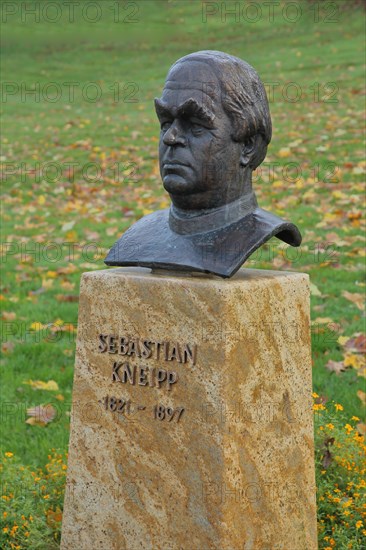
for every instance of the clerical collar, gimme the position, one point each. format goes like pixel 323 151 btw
pixel 190 223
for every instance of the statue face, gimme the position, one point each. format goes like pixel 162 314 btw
pixel 199 160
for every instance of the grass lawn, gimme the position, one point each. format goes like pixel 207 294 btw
pixel 79 156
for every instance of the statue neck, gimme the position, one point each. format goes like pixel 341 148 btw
pixel 188 222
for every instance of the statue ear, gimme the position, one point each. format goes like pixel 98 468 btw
pixel 247 151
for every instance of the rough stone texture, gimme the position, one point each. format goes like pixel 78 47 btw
pixel 237 470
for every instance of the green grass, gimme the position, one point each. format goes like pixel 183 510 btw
pixel 107 131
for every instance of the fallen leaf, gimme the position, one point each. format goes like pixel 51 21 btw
pixel 314 291
pixel 354 361
pixel 361 428
pixel 7 347
pixel 284 152
pixel 357 345
pixel 335 366
pixel 37 326
pixel 67 226
pixel 322 321
pixel 8 315
pixel 354 297
pixel 47 283
pixel 342 340
pixel 362 395
pixel 67 298
pixel 66 285
pixel 51 385
pixel 41 415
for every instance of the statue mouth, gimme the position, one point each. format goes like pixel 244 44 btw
pixel 171 164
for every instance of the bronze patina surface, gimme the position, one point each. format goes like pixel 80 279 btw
pixel 215 129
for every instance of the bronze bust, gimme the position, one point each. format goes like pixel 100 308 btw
pixel 215 129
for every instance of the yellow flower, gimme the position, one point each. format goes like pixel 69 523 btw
pixel 318 407
pixel 14 529
pixel 348 428
pixel 355 418
pixel 5 529
pixel 9 455
pixel 359 524
pixel 338 407
pixel 347 504
pixel 5 514
pixel 315 395
pixel 46 497
pixel 330 426
pixel 26 534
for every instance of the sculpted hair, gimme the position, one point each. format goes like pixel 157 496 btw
pixel 243 97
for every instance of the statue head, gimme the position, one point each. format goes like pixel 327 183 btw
pixel 215 129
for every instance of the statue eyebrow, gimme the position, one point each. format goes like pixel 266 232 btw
pixel 190 107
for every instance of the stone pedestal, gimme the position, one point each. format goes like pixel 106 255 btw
pixel 192 422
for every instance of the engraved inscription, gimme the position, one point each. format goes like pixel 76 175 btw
pixel 145 348
pixel 143 376
pixel 167 413
pixel 125 407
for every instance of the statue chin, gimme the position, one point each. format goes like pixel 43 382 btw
pixel 176 184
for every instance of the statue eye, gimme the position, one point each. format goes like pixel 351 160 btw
pixel 197 128
pixel 165 125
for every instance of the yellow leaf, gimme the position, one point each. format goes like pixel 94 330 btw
pixel 355 361
pixel 284 152
pixel 41 199
pixel 33 421
pixel 37 326
pixel 71 236
pixel 51 385
pixel 342 340
pixel 47 283
pixel 322 320
pixel 60 397
pixel 277 184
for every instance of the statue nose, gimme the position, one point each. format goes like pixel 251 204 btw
pixel 174 135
